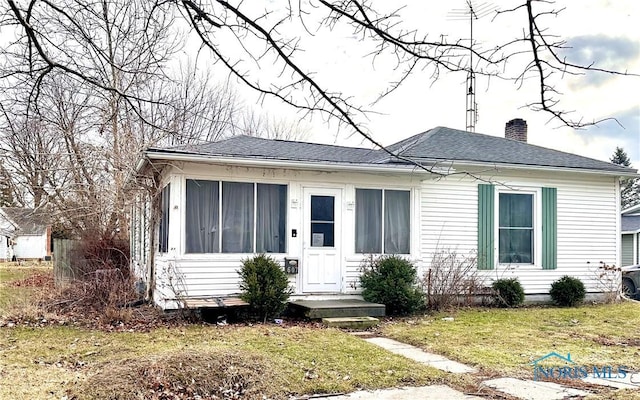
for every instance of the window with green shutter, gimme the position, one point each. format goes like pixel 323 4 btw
pixel 549 228
pixel 486 196
pixel 526 231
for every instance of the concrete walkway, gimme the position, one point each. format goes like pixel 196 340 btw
pixel 518 388
pixel 421 356
pixel 533 390
pixel 407 393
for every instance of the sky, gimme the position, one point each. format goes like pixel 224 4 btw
pixel 597 31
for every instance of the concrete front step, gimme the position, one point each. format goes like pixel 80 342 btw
pixel 351 322
pixel 318 309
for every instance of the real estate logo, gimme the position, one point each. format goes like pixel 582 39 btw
pixel 557 366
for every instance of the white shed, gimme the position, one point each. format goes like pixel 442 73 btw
pixel 27 233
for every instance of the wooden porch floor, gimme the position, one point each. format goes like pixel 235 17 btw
pixel 316 309
pixel 215 302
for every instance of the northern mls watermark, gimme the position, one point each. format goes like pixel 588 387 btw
pixel 557 366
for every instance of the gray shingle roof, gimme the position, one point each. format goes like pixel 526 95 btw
pixel 455 145
pixel 437 144
pixel 259 148
pixel 29 222
pixel 630 223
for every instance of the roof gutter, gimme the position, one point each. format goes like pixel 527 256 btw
pixel 444 170
pixel 497 166
pixel 284 164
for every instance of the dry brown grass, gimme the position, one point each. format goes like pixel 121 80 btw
pixel 213 374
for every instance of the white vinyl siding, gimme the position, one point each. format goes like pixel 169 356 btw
pixel 443 215
pixel 586 225
pixel 215 274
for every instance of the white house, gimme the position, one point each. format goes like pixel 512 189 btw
pixel 526 211
pixel 25 234
pixel 631 236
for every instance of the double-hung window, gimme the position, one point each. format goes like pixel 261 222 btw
pixel 383 221
pixel 525 230
pixel 516 228
pixel 235 217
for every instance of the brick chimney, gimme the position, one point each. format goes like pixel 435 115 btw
pixel 516 129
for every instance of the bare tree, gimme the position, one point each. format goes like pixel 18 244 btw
pixel 30 155
pixel 196 109
pixel 117 55
pixel 249 42
pixel 269 127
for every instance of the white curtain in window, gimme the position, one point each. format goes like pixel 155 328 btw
pixel 516 228
pixel 201 225
pixel 396 222
pixel 368 221
pixel 271 218
pixel 163 239
pixel 237 217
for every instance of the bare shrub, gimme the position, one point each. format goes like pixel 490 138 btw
pixel 608 281
pixel 452 279
pixel 174 280
pixel 102 281
pixel 209 374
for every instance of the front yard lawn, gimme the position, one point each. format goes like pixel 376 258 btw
pixel 46 362
pixel 43 357
pixel 506 341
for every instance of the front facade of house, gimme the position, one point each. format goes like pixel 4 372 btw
pixel 630 236
pixel 537 223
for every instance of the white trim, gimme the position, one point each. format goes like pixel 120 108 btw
pixel 338 248
pixel 259 162
pixel 618 223
pixel 536 192
pixel 631 210
pixel 497 167
pixel 305 165
pixel 636 256
pixel 412 218
pixel 221 180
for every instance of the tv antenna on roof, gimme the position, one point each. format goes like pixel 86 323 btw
pixel 471 12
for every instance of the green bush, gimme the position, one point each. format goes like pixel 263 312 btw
pixel 264 286
pixel 392 281
pixel 508 292
pixel 567 291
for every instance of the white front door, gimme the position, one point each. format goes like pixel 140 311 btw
pixel 321 262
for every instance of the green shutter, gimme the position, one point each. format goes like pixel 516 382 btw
pixel 486 231
pixel 549 228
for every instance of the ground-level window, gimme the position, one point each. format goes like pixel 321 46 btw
pixel 163 229
pixel 235 217
pixel 383 221
pixel 516 228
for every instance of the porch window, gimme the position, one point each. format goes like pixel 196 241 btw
pixel 163 229
pixel 516 233
pixel 271 218
pixel 202 217
pixel 382 221
pixel 235 217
